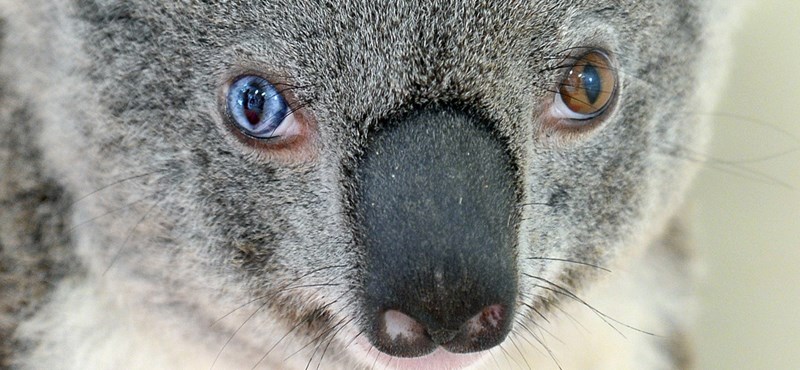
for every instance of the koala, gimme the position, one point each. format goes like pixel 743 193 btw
pixel 352 184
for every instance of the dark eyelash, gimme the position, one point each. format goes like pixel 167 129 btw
pixel 570 60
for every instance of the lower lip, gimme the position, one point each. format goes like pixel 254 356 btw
pixel 440 359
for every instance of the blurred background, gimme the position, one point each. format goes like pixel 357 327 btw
pixel 747 201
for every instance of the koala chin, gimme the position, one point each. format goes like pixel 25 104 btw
pixel 354 184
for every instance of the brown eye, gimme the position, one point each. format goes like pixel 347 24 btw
pixel 588 87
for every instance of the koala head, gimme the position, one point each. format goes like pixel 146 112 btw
pixel 394 177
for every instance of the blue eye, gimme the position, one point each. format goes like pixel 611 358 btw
pixel 258 110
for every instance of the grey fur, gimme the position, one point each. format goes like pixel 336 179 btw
pixel 118 173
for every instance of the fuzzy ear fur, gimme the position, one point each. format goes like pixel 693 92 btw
pixel 138 230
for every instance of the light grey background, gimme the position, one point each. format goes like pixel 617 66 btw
pixel 747 202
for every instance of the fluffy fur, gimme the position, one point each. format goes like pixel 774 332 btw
pixel 135 232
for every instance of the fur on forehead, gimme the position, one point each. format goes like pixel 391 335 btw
pixel 403 49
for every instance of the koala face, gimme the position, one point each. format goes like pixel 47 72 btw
pixel 359 177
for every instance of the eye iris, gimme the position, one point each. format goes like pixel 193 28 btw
pixel 589 85
pixel 256 107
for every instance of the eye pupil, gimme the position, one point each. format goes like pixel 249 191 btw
pixel 253 104
pixel 592 83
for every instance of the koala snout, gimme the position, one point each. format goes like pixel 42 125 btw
pixel 436 207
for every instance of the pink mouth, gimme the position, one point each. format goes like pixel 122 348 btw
pixel 439 359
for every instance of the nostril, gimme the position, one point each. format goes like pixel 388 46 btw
pixel 482 331
pixel 401 335
pixel 399 326
pixel 490 319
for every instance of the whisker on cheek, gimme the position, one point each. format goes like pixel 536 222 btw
pixel 116 183
pixel 731 167
pixel 129 234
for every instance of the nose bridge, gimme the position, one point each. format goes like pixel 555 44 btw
pixel 436 202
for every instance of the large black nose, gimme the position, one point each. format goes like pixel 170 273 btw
pixel 436 202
